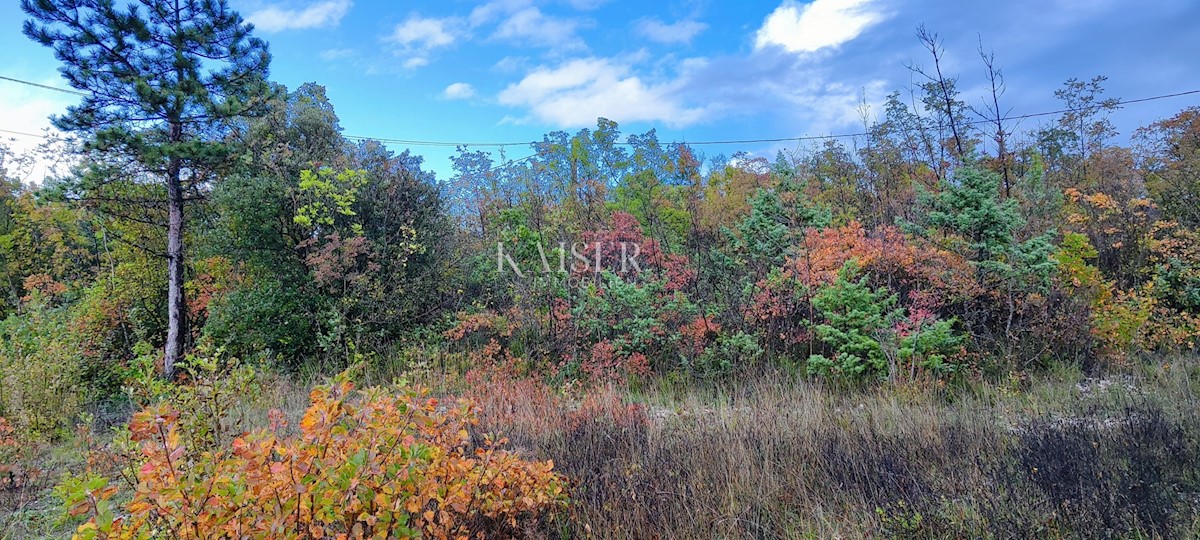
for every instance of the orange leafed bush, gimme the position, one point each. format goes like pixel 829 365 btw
pixel 8 447
pixel 626 250
pixel 370 464
pixel 471 323
pixel 43 284
pixel 215 277
pixel 884 251
pixel 699 334
pixel 509 401
pixel 529 411
pixel 917 271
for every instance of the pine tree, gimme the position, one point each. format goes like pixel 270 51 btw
pixel 162 78
pixel 856 315
pixel 764 233
pixel 970 206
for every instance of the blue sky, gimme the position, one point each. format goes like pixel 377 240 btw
pixel 512 70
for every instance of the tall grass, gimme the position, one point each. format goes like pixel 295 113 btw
pixel 779 457
pixel 1058 455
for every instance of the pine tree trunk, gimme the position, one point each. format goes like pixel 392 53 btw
pixel 176 306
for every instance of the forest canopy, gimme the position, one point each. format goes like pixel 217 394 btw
pixel 219 237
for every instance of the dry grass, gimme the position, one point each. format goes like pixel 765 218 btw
pixel 784 458
pixel 775 456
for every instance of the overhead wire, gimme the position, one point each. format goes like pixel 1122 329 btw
pixel 43 86
pixel 801 138
pixel 22 133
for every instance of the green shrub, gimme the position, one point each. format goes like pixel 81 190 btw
pixel 40 370
pixel 266 318
pixel 855 315
pixel 211 387
pixel 870 337
pixel 729 353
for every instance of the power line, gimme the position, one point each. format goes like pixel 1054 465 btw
pixel 22 133
pixel 407 142
pixel 351 137
pixel 968 123
pixel 44 86
pixel 802 138
pixel 510 163
pixel 761 141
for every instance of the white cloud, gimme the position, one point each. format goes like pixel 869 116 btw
pixel 515 21
pixel 426 33
pixel 320 14
pixel 459 90
pixel 493 10
pixel 416 62
pixel 792 94
pixel 530 26
pixel 576 92
pixel 419 36
pixel 586 5
pixel 837 105
pixel 510 64
pixel 815 26
pixel 336 54
pixel 521 22
pixel 679 32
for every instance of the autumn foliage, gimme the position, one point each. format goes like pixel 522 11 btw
pixel 924 276
pixel 8 448
pixel 374 463
pixel 527 409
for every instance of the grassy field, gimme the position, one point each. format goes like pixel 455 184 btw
pixel 1065 455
